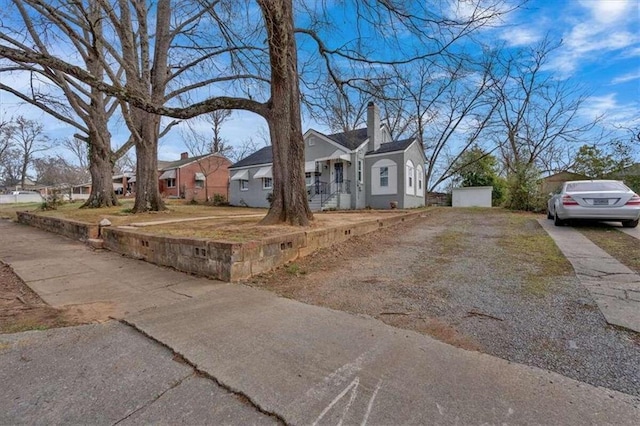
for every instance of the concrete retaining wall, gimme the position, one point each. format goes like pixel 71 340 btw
pixel 223 260
pixel 197 256
pixel 69 228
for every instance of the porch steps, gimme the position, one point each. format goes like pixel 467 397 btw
pixel 316 206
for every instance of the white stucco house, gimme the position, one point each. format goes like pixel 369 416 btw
pixel 351 170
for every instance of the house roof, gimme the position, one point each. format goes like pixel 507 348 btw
pixel 162 164
pixel 351 139
pixel 261 156
pixel 165 165
pixel 400 145
pixel 564 175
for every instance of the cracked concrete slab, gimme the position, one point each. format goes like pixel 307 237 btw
pixel 105 374
pixel 612 285
pixel 312 365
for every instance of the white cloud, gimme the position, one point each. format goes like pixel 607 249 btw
pixel 599 28
pixel 626 77
pixel 521 36
pixel 615 113
pixel 609 11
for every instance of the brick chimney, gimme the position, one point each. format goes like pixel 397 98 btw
pixel 184 155
pixel 373 127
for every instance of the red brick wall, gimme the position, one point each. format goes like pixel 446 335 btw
pixel 216 170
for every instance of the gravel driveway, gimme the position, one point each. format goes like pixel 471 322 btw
pixel 487 280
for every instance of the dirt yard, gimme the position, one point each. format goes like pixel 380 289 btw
pixel 22 309
pixel 491 281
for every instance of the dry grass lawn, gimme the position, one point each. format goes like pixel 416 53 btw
pixel 182 219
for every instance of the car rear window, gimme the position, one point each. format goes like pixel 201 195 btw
pixel 596 186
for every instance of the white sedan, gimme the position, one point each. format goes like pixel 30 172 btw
pixel 609 200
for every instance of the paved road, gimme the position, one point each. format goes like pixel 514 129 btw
pixel 614 287
pixel 106 374
pixel 303 363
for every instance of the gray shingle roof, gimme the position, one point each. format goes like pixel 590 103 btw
pixel 350 140
pixel 392 146
pixel 261 156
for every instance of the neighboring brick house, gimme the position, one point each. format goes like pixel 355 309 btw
pixel 195 178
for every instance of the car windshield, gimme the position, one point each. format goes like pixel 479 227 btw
pixel 595 186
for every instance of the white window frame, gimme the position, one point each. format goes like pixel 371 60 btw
pixel 171 183
pixel 244 185
pixel 410 172
pixel 360 171
pixel 384 174
pixel 267 183
pixel 420 181
pixel 392 177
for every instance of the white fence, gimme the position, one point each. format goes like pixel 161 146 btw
pixel 21 198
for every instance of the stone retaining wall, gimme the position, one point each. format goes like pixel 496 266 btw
pixel 69 228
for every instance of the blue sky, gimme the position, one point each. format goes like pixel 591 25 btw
pixel 601 49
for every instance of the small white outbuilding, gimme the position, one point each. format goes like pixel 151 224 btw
pixel 472 196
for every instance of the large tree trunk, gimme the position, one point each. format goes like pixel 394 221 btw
pixel 147 190
pixel 100 167
pixel 100 156
pixel 290 204
pixel 99 140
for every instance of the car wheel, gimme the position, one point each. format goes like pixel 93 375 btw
pixel 557 221
pixel 630 223
pixel 549 214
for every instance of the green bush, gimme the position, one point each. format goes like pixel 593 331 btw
pixel 522 192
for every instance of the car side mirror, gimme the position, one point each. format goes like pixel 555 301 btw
pixel 551 194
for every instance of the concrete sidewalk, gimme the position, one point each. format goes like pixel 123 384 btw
pixel 311 365
pixel 65 272
pixel 613 286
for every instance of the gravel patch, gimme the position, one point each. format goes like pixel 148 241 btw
pixel 472 278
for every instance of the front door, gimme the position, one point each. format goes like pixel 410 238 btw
pixel 338 173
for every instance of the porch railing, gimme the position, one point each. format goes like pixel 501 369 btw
pixel 326 190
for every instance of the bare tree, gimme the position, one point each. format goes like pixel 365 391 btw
pixel 341 110
pixel 76 25
pixel 217 119
pixel 263 53
pixel 126 163
pixel 537 117
pixel 78 149
pixel 28 139
pixel 246 148
pixel 5 138
pixel 208 151
pixel 57 171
